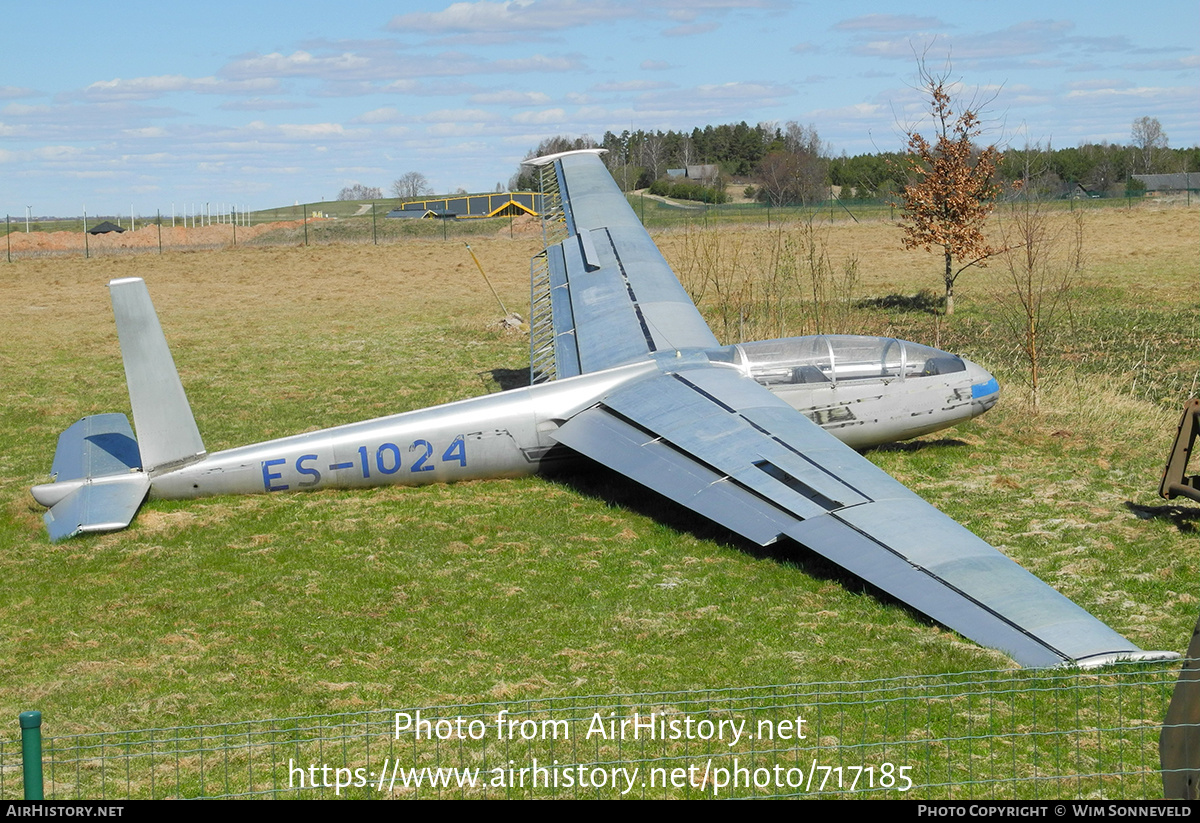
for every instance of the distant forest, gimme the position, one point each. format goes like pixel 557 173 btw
pixel 788 163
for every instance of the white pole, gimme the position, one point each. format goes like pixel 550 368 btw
pixel 172 214
pixel 27 208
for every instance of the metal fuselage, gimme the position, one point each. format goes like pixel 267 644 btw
pixel 510 434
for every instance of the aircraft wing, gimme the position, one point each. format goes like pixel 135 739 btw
pixel 717 442
pixel 725 447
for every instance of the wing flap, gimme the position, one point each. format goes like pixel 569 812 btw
pixel 732 446
pixel 611 441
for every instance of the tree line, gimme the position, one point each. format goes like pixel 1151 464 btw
pixel 787 163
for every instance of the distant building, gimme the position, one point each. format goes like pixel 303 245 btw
pixel 703 174
pixel 105 228
pixel 501 204
pixel 1180 181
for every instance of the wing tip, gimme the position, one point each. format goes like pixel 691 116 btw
pixel 1096 661
pixel 546 159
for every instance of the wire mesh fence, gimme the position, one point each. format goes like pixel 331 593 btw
pixel 978 735
pixel 354 223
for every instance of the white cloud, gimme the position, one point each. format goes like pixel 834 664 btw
pixel 1145 93
pixel 297 64
pixel 388 114
pixel 58 153
pixel 261 104
pixel 12 92
pixel 511 16
pixel 1099 83
pixel 149 132
pixel 889 22
pixel 541 117
pixel 305 131
pixel 631 85
pixel 1188 63
pixel 511 97
pixel 749 92
pixel 539 63
pixel 459 116
pixel 142 88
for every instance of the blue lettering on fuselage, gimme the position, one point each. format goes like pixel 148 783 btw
pixel 387 461
pixel 269 475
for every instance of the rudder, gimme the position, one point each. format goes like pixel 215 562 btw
pixel 166 430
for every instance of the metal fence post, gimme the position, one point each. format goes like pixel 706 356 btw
pixel 31 754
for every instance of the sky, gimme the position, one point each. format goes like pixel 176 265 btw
pixel 160 106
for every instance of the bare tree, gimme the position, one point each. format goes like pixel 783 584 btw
pixel 951 190
pixel 1149 139
pixel 778 178
pixel 796 173
pixel 360 192
pixel 653 152
pixel 411 184
pixel 1043 252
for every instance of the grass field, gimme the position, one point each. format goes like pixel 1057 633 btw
pixel 268 606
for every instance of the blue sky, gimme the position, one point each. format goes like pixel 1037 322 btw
pixel 267 103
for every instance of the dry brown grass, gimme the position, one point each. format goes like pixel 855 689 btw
pixel 1154 248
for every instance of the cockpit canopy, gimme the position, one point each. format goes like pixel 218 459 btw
pixel 836 358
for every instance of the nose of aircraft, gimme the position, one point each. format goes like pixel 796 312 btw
pixel 985 391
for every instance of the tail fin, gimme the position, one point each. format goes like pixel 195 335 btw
pixel 166 430
pixel 101 474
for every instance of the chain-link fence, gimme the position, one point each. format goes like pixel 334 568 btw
pixel 978 735
pixel 349 222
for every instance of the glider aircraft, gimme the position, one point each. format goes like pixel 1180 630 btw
pixel 758 437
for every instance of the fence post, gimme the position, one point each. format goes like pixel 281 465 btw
pixel 31 754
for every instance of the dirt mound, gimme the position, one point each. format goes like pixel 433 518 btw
pixel 145 237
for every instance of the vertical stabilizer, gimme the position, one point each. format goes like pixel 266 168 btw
pixel 166 430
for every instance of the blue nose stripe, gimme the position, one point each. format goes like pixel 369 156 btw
pixel 984 389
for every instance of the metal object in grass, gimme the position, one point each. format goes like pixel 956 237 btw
pixel 1175 482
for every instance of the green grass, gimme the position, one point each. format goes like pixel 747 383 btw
pixel 270 606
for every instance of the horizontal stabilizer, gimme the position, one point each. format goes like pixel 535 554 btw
pixel 95 446
pixel 98 483
pixel 101 505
